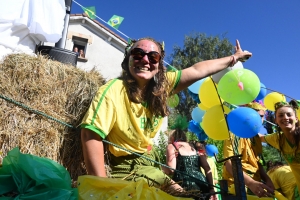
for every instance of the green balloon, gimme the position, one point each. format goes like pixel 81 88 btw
pixel 173 101
pixel 239 86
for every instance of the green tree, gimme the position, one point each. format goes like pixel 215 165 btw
pixel 272 154
pixel 197 47
pixel 161 147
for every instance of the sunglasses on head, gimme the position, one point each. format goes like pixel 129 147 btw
pixel 138 54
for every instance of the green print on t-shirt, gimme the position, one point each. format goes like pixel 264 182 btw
pixel 148 124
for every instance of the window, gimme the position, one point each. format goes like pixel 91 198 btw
pixel 80 46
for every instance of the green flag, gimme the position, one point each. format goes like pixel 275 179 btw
pixel 90 11
pixel 115 21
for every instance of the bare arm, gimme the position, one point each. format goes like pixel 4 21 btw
pixel 261 137
pixel 264 176
pixel 206 167
pixel 171 159
pixel 258 188
pixel 93 152
pixel 206 68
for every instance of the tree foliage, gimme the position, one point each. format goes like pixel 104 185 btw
pixel 197 47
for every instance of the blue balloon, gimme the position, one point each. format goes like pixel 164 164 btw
pixel 211 149
pixel 197 114
pixel 244 122
pixel 202 135
pixel 194 96
pixel 262 93
pixel 195 128
pixel 194 88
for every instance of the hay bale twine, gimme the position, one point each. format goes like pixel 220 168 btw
pixel 61 95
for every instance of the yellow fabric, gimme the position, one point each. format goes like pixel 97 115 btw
pixel 288 154
pixel 283 179
pixel 250 152
pixel 114 117
pixel 93 187
pixel 213 168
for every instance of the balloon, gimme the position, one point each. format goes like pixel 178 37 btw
pixel 197 114
pixel 214 123
pixel 208 94
pixel 211 150
pixel 220 74
pixel 244 122
pixel 298 110
pixel 201 125
pixel 194 88
pixel 202 107
pixel 195 128
pixel 262 93
pixel 173 101
pixel 202 136
pixel 273 98
pixel 239 86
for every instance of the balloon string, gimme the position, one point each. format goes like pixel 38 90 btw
pixel 225 117
pixel 222 108
pixel 235 75
pixel 278 92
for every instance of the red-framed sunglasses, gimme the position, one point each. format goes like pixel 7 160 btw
pixel 138 54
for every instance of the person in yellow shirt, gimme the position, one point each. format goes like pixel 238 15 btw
pixel 287 137
pixel 255 177
pixel 283 179
pixel 200 146
pixel 128 111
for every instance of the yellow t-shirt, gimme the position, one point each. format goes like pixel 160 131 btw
pixel 114 117
pixel 250 149
pixel 288 153
pixel 283 179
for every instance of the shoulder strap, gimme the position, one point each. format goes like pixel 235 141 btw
pixel 174 146
pixel 176 149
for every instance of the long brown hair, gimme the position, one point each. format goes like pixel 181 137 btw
pixel 296 136
pixel 156 94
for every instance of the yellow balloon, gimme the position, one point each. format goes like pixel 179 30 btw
pixel 272 98
pixel 208 94
pixel 202 107
pixel 298 113
pixel 214 123
pixel 226 109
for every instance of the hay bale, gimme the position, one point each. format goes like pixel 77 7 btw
pixel 61 91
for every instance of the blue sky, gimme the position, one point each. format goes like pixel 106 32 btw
pixel 270 29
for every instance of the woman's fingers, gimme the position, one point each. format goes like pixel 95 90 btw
pixel 238 46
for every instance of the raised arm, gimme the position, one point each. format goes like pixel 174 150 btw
pixel 206 68
pixel 93 152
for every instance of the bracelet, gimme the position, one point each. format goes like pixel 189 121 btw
pixel 233 61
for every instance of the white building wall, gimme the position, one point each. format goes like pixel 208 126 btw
pixel 100 54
